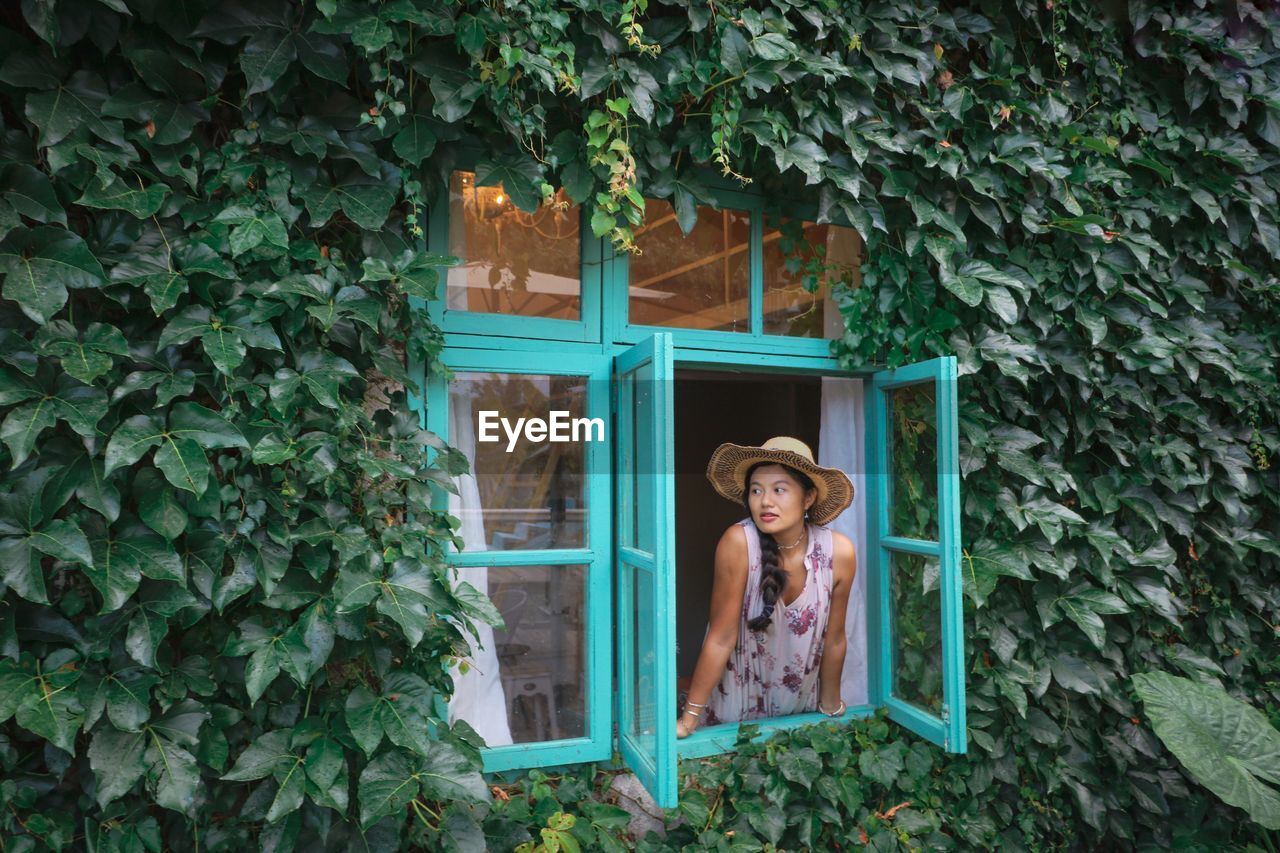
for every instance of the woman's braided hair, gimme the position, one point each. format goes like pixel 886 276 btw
pixel 773 578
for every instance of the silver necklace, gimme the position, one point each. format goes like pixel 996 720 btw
pixel 803 533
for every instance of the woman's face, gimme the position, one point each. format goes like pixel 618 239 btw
pixel 776 499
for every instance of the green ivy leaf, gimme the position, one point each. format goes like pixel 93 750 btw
pixel 265 58
pixel 164 290
pixel 117 761
pixel 362 719
pixel 161 512
pixel 883 763
pixel 63 538
pixel 387 785
pixel 367 205
pixel 519 175
pixel 734 51
pixel 289 796
pixel 117 194
pixel 23 425
pixel 267 228
pixel 409 597
pixel 172 775
pixel 76 104
pixel 129 698
pixel 131 440
pixel 40 264
pixel 51 710
pixel 801 766
pixel 323 56
pixel 115 576
pixel 84 357
pixel 184 464
pixel 416 139
pixel 261 669
pixel 266 754
pixel 31 194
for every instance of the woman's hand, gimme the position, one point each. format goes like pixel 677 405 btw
pixel 684 729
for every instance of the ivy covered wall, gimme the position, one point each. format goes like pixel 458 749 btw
pixel 222 613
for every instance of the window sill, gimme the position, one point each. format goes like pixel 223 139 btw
pixel 723 738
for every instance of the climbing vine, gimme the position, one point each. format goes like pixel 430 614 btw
pixel 224 615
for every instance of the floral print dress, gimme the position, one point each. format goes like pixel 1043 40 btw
pixel 773 673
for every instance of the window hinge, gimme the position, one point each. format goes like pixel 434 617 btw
pixel 946 727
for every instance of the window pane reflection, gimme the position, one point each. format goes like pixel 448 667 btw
pixel 535 495
pixel 541 652
pixel 803 261
pixel 913 462
pixel 513 262
pixel 917 630
pixel 644 723
pixel 698 281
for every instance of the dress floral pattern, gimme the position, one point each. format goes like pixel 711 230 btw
pixel 774 672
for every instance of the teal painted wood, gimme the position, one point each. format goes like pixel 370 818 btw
pixel 556 557
pixel 598 743
pixel 732 342
pixel 911 546
pixel 645 505
pixel 417 369
pixel 545 348
pixel 818 363
pixel 569 362
pixel 875 452
pixel 755 273
pixel 947 728
pixel 720 739
pixel 950 578
pixel 522 756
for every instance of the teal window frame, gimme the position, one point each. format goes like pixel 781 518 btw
pixel 502 329
pixel 616 321
pixel 594 346
pixel 642 501
pixel 948 728
pixel 596 556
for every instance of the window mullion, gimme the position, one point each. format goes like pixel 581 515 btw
pixel 755 291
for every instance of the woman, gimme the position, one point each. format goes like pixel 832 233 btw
pixel 775 644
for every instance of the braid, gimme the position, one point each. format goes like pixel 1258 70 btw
pixel 772 581
pixel 773 578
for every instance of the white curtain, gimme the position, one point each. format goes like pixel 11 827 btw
pixel 478 696
pixel 840 445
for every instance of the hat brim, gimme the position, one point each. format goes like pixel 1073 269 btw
pixel 727 471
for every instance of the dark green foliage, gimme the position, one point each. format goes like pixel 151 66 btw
pixel 222 583
pixel 217 562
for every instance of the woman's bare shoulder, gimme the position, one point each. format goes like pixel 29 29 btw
pixel 733 540
pixel 845 555
pixel 841 545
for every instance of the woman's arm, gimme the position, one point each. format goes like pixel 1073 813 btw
pixel 727 590
pixel 843 570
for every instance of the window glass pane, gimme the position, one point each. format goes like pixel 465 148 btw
pixel 699 281
pixel 913 462
pixel 917 630
pixel 644 479
pixel 522 494
pixel 803 261
pixel 513 262
pixel 645 720
pixel 541 653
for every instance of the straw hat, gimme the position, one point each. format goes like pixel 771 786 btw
pixel 727 472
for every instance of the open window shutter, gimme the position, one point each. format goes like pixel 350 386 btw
pixel 645 574
pixel 915 625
